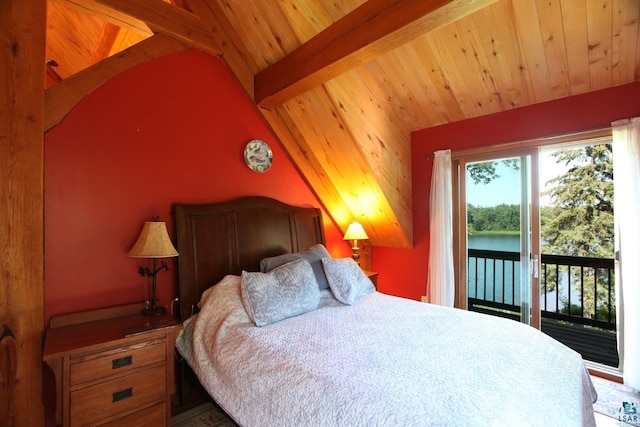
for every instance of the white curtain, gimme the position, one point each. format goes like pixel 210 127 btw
pixel 440 280
pixel 626 181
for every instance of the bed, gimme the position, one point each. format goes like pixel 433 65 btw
pixel 274 344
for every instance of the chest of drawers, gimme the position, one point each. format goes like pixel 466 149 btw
pixel 115 371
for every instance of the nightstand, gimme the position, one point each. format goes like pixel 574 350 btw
pixel 373 276
pixel 112 367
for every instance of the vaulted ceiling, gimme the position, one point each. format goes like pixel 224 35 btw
pixel 343 83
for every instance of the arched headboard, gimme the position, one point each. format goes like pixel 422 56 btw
pixel 225 238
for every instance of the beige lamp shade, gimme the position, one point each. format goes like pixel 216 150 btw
pixel 355 232
pixel 154 242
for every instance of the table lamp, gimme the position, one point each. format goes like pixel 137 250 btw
pixel 154 243
pixel 355 232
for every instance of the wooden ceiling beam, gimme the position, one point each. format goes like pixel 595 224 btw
pixel 108 36
pixel 52 76
pixel 108 14
pixel 374 28
pixel 62 97
pixel 161 17
pixel 228 38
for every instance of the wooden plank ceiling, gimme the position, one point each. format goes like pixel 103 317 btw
pixel 343 83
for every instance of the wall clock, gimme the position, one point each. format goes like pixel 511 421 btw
pixel 258 155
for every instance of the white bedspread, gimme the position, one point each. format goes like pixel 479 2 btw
pixel 385 361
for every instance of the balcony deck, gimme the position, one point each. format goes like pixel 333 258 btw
pixel 592 344
pixel 591 335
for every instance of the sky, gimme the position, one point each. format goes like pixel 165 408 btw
pixel 506 189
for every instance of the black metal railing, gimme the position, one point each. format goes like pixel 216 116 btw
pixel 575 292
pixel 593 278
pixel 574 289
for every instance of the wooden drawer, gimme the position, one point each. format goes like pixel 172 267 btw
pixel 105 375
pixel 154 416
pixel 122 359
pixel 103 400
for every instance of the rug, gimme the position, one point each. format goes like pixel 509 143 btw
pixel 206 414
pixel 617 401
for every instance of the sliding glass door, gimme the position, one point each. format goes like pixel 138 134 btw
pixel 534 240
pixel 502 260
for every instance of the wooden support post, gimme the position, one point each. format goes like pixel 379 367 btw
pixel 22 54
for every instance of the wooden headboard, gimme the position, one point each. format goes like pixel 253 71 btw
pixel 225 238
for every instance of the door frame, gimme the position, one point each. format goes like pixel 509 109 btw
pixel 460 224
pixel 532 147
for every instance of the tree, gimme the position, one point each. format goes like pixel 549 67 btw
pixel 502 217
pixel 491 218
pixel 485 172
pixel 582 203
pixel 579 221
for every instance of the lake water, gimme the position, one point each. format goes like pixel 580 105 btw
pixel 481 283
pixel 495 243
pixel 486 277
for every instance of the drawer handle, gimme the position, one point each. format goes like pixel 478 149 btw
pixel 123 394
pixel 121 362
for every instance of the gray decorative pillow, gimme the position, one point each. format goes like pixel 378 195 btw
pixel 346 279
pixel 286 291
pixel 314 255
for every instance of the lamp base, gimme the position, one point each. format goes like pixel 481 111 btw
pixel 158 311
pixel 356 254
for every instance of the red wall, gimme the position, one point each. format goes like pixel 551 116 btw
pixel 171 130
pixel 404 271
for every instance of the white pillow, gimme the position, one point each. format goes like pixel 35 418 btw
pixel 346 279
pixel 285 291
pixel 314 255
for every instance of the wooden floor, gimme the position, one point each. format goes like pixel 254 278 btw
pixel 197 397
